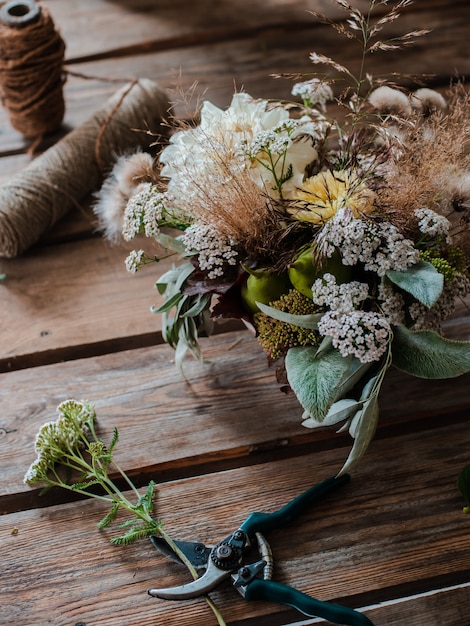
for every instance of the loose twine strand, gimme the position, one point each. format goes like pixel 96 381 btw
pixel 32 75
pixel 31 81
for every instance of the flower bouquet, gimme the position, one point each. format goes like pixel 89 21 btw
pixel 341 240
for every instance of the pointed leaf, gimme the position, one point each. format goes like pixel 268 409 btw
pixel 426 354
pixel 303 321
pixel 110 517
pixel 114 440
pixel 314 376
pixel 421 280
pixel 171 243
pixel 339 411
pixel 364 429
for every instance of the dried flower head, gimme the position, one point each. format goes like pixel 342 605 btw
pixel 328 192
pixel 390 101
pixel 277 337
pixel 428 101
pixel 128 173
pixel 56 440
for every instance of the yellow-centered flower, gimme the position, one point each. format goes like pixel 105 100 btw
pixel 325 193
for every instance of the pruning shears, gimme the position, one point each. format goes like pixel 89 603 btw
pixel 226 560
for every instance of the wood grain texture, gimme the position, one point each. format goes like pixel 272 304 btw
pixel 230 411
pixel 80 293
pixel 224 441
pixel 246 58
pixel 406 494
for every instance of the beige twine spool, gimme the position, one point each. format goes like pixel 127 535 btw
pixel 68 172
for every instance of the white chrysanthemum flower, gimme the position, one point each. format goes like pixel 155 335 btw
pixel 361 334
pixel 210 153
pixel 432 224
pixel 380 247
pixel 212 249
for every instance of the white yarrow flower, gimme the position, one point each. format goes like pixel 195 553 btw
pixel 212 249
pixel 314 92
pixel 432 224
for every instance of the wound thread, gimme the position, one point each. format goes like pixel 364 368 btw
pixel 31 68
pixel 67 173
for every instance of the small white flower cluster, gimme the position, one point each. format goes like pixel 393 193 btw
pixel 381 247
pixel 432 224
pixel 362 334
pixel 274 141
pixel 213 252
pixel 143 212
pixel 135 260
pixel 56 439
pixel 343 297
pixel 391 304
pixel 314 92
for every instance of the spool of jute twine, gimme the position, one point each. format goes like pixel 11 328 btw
pixel 31 68
pixel 68 172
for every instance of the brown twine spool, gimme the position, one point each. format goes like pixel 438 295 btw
pixel 31 68
pixel 69 171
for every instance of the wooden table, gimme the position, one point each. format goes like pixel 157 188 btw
pixel 226 441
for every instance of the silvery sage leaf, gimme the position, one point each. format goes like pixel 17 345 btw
pixel 426 354
pixel 363 425
pixel 314 376
pixel 338 412
pixel 421 280
pixel 171 243
pixel 303 321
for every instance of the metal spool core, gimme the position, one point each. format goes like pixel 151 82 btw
pixel 19 13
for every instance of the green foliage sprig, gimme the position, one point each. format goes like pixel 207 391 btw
pixel 71 442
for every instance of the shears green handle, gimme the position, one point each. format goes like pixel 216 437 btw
pixel 271 591
pixel 263 522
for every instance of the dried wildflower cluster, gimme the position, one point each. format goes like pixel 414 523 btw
pixel 366 220
pixel 71 442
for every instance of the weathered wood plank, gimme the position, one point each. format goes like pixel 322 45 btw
pixel 405 493
pixel 229 411
pixel 424 609
pixel 95 27
pixel 87 296
pixel 249 61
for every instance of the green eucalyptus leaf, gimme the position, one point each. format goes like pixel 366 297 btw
pixel 303 321
pixel 314 376
pixel 426 354
pixel 421 280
